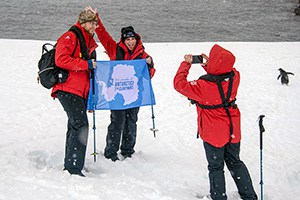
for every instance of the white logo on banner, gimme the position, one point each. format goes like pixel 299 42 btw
pixel 124 82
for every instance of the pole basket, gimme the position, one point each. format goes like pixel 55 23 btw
pixel 154 131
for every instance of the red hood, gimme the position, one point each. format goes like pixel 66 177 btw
pixel 220 61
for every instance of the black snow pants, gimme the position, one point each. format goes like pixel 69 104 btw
pixel 238 170
pixel 77 134
pixel 123 125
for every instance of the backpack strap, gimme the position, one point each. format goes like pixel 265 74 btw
pixel 218 79
pixel 83 48
pixel 120 53
pixel 215 78
pixel 225 100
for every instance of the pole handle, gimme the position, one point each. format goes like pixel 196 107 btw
pixel 261 130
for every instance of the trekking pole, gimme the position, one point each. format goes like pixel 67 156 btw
pixel 153 123
pixel 261 130
pixel 94 114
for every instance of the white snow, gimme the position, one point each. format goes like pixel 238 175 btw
pixel 171 166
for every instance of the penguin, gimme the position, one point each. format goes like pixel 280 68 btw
pixel 284 76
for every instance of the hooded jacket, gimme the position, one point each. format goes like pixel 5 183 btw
pixel 213 124
pixel 78 81
pixel 110 45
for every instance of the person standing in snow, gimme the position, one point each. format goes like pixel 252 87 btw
pixel 218 119
pixel 123 122
pixel 73 93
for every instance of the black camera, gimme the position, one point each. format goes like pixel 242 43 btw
pixel 197 59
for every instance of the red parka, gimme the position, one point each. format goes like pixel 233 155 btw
pixel 213 124
pixel 110 45
pixel 78 81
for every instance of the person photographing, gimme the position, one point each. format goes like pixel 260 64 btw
pixel 218 119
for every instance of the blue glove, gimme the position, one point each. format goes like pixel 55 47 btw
pixel 90 64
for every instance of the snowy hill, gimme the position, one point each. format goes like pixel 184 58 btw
pixel 171 166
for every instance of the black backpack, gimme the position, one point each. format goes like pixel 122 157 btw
pixel 49 74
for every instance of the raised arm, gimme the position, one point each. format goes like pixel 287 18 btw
pixel 105 38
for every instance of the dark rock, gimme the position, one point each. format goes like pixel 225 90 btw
pixel 297 10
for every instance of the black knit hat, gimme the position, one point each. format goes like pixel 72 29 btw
pixel 127 32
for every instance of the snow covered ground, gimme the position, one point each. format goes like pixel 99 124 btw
pixel 171 166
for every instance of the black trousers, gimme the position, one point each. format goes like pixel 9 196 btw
pixel 123 125
pixel 77 134
pixel 239 172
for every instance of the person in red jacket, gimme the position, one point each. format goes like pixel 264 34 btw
pixel 123 122
pixel 73 93
pixel 218 119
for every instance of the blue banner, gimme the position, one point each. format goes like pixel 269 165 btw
pixel 121 85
